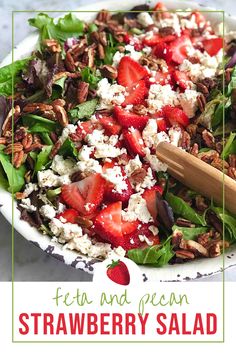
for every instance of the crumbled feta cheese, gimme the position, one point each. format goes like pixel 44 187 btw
pixel 155 163
pixel 188 23
pixel 61 166
pixel 117 58
pixel 188 101
pixel 66 231
pixel 173 22
pixel 154 230
pixel 70 128
pixel 160 96
pixel 96 137
pixel 47 211
pixel 99 249
pixel 144 238
pixel 89 166
pixel 115 176
pixel 175 134
pixel 133 165
pixel 29 188
pixel 145 19
pixel 117 252
pixel 110 94
pixel 80 243
pixel 137 210
pixel 132 53
pixel 85 152
pixel 148 182
pixel 47 178
pixel 26 204
pixel 106 150
pixel 150 135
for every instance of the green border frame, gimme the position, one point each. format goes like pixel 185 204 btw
pixel 223 194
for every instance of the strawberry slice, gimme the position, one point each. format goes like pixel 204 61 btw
pixel 140 237
pixel 134 142
pixel 181 79
pixel 213 45
pixel 176 116
pixel 85 195
pixel 70 215
pixel 129 226
pixel 161 124
pixel 110 193
pixel 163 78
pixel 84 128
pixel 179 48
pixel 130 72
pixel 162 51
pixel 129 119
pixel 199 18
pixel 110 125
pixel 150 195
pixel 108 224
pixel 136 93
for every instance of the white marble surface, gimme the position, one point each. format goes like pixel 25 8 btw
pixel 31 264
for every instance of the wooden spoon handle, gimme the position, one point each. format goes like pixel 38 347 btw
pixel 198 175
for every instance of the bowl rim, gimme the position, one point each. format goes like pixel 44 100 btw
pixel 188 271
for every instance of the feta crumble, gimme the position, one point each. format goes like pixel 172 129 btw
pixel 115 176
pixel 110 94
pixel 65 231
pixel 137 209
pixel 155 163
pixel 47 178
pixel 61 166
pixel 145 19
pixel 160 96
pixel 188 101
pixel 47 211
pixel 26 204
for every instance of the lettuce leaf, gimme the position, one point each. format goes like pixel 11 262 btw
pixel 37 124
pixel 230 146
pixel 229 221
pixel 68 149
pixel 190 232
pixel 15 177
pixel 83 110
pixel 42 158
pixel 8 72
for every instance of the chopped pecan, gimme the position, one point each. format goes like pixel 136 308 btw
pixel 232 172
pixel 209 83
pixel 166 31
pixel 217 247
pixel 59 102
pixel 220 164
pixel 20 195
pixel 194 150
pixel 16 147
pixel 197 248
pixel 138 175
pixel 61 115
pixel 108 71
pixel 201 101
pixel 232 160
pixel 176 239
pixel 200 202
pixel 69 62
pixel 78 49
pixel 184 223
pixel 219 146
pixel 18 159
pixel 82 91
pixel 36 139
pixel 208 138
pixel 208 156
pixel 55 149
pixel 27 141
pixel 7 124
pixel 3 141
pixel 89 57
pixel 53 137
pixel 183 254
pixel 103 16
pixel 33 107
pixel 101 51
pixel 185 140
pixel 83 221
pixel 140 109
pixel 53 45
pixel 206 239
pixel 20 134
pixel 27 177
pixel 33 147
pixel 202 88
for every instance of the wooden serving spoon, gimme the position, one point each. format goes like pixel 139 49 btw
pixel 198 175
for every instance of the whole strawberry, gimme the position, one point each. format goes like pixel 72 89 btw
pixel 118 272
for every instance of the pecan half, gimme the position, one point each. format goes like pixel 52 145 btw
pixel 220 164
pixel 27 141
pixel 3 141
pixel 194 150
pixel 185 140
pixel 55 149
pixel 69 62
pixel 201 101
pixel 82 91
pixel 183 254
pixel 61 115
pixel 184 223
pixel 208 138
pixel 232 172
pixel 33 147
pixel 53 45
pixel 108 71
pixel 197 247
pixel 7 124
pixel 18 159
pixel 232 160
pixel 138 175
pixel 176 239
pixel 16 147
pixel 208 156
pixel 33 107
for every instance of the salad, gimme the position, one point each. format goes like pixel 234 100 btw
pixel 90 106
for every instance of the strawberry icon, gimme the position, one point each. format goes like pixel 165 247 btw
pixel 118 272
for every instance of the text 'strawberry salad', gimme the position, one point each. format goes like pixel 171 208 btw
pixel 91 105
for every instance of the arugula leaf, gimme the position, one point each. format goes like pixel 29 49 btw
pixel 6 73
pixel 46 138
pixel 15 177
pixel 190 232
pixel 229 221
pixel 230 146
pixel 37 124
pixel 180 207
pixel 42 158
pixel 157 256
pixel 83 110
pixel 87 75
pixel 66 27
pixel 68 149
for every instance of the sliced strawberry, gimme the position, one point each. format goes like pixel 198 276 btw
pixel 150 195
pixel 85 195
pixel 161 124
pixel 111 126
pixel 213 45
pixel 163 78
pixel 129 119
pixel 181 79
pixel 84 128
pixel 129 226
pixel 70 215
pixel 134 142
pixel 108 224
pixel 162 51
pixel 176 116
pixel 130 72
pixel 110 193
pixel 179 48
pixel 142 237
pixel 136 93
pixel 199 18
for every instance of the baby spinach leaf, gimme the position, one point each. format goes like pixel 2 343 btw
pixel 15 177
pixel 230 146
pixel 66 27
pixel 157 256
pixel 180 207
pixel 46 138
pixel 206 117
pixel 37 124
pixel 89 76
pixel 68 149
pixel 83 110
pixel 9 71
pixel 42 158
pixel 190 232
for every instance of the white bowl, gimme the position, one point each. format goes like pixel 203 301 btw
pixel 179 272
